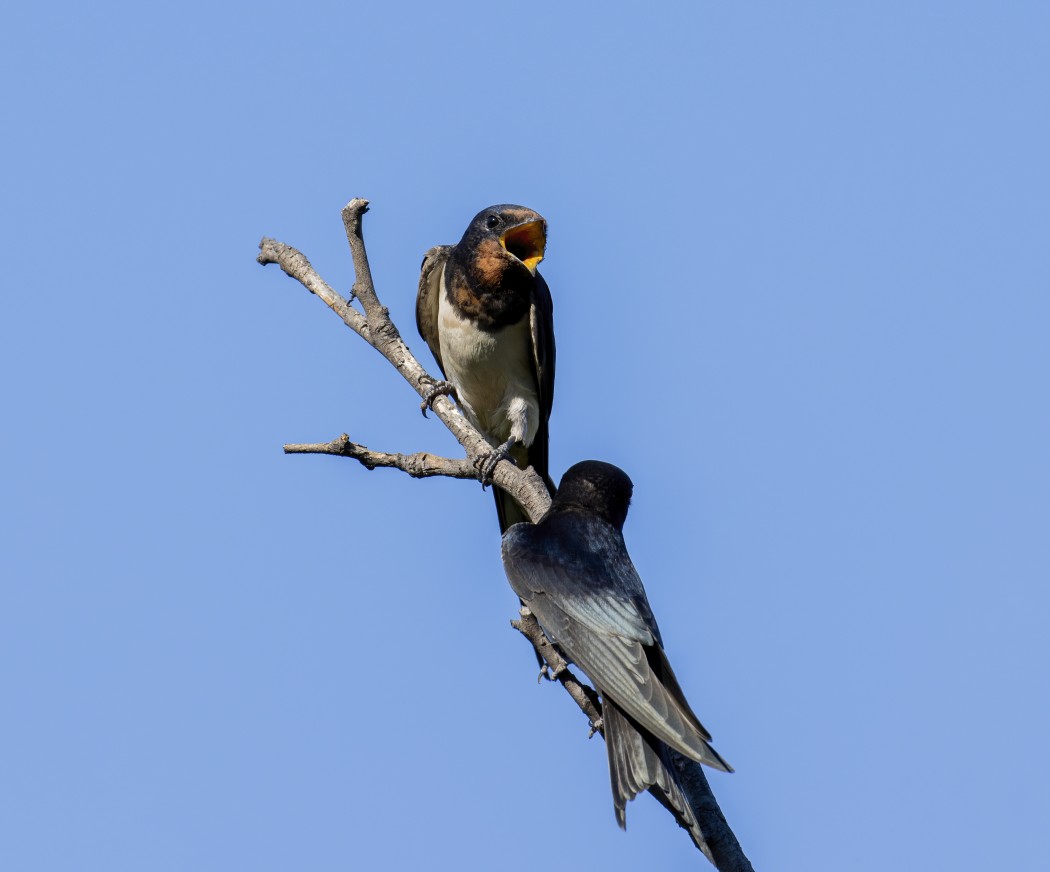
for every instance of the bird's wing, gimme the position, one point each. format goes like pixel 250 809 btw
pixel 537 455
pixel 541 328
pixel 574 573
pixel 428 298
pixel 581 563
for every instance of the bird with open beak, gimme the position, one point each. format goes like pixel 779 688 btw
pixel 487 316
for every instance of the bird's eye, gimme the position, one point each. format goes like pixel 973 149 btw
pixel 492 222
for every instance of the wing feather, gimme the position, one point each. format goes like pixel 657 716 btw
pixel 541 323
pixel 429 296
pixel 576 576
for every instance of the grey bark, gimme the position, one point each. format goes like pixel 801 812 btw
pixel 373 324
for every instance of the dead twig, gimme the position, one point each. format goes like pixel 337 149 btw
pixel 375 327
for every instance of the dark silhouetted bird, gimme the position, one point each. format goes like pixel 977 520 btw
pixel 487 316
pixel 573 571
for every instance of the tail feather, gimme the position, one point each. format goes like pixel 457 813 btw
pixel 507 509
pixel 639 762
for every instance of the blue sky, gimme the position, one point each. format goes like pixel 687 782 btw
pixel 798 258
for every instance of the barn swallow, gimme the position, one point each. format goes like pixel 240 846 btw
pixel 573 571
pixel 487 316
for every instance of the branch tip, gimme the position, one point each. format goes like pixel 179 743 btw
pixel 355 209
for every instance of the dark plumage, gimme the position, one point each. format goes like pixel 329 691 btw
pixel 573 571
pixel 488 318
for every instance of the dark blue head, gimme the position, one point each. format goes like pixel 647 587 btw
pixel 520 232
pixel 597 487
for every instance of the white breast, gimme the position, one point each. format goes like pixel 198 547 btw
pixel 492 372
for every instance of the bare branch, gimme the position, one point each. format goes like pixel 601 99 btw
pixel 526 486
pixel 726 853
pixel 419 465
pixel 376 328
pixel 295 264
pixel 364 289
pixel 583 695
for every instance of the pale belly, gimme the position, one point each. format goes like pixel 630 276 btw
pixel 493 375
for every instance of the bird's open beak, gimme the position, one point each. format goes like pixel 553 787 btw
pixel 526 242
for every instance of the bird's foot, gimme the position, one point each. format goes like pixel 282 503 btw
pixel 488 464
pixel 440 389
pixel 549 673
pixel 595 727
